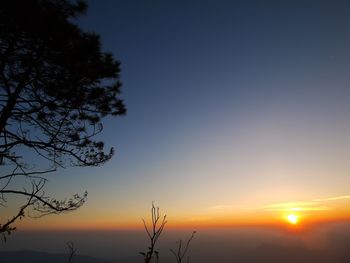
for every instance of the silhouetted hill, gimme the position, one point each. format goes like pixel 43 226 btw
pixel 28 256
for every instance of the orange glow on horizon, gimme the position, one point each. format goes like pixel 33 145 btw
pixel 233 223
pixel 301 215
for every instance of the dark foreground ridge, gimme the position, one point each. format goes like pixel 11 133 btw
pixel 28 256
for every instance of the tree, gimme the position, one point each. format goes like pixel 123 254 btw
pixel 72 250
pixel 181 253
pixel 56 86
pixel 153 232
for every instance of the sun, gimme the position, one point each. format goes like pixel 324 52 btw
pixel 293 219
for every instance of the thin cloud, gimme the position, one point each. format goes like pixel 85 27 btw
pixel 287 205
pixel 313 205
pixel 332 198
pixel 299 206
pixel 291 206
pixel 316 208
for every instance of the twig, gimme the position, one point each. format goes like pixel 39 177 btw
pixel 179 255
pixel 153 234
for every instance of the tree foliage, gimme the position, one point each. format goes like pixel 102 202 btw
pixel 56 86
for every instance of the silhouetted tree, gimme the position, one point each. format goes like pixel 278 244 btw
pixel 181 252
pixel 72 250
pixel 55 87
pixel 153 233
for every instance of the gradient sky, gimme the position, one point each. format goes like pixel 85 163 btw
pixel 234 109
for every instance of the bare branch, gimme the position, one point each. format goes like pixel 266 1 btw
pixel 153 234
pixel 179 254
pixel 72 250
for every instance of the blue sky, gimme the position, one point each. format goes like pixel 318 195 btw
pixel 230 104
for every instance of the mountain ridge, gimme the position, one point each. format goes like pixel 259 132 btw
pixel 32 256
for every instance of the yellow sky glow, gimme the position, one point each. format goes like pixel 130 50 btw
pixel 274 214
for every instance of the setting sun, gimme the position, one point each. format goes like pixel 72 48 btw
pixel 293 219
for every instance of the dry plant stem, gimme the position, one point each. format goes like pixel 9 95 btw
pixel 153 232
pixel 71 251
pixel 180 255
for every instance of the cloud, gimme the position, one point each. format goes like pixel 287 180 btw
pixel 287 205
pixel 313 205
pixel 315 208
pixel 295 206
pixel 290 206
pixel 332 198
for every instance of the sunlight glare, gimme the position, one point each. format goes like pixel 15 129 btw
pixel 293 219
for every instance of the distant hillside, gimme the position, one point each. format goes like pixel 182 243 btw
pixel 27 256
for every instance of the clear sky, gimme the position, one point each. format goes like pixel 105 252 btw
pixel 235 108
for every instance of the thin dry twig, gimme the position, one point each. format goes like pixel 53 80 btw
pixel 153 233
pixel 72 250
pixel 180 255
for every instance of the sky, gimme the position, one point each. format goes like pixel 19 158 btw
pixel 238 114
